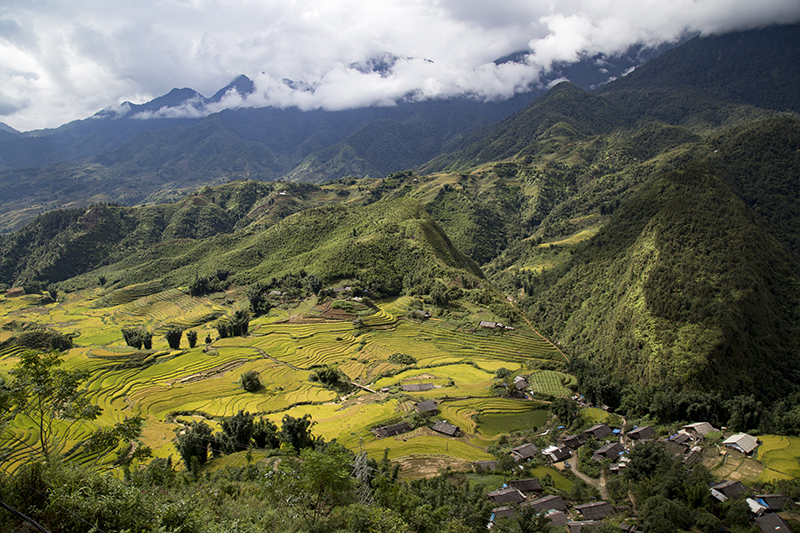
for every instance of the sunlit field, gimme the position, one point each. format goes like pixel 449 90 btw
pixel 170 386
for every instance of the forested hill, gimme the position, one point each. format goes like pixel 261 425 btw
pixel 684 287
pixel 649 228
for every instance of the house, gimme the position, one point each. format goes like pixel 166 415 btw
pixel 756 508
pixel 727 489
pixel 595 510
pixel 599 431
pixel 548 502
pixel 15 292
pixel 584 526
pixel 574 441
pixel 742 442
pixel 693 456
pixel 446 428
pixel 558 518
pixel 641 433
pixel 506 495
pixel 391 431
pixel 698 430
pixel 772 523
pixel 417 387
pixel 502 512
pixel 609 451
pixel 557 454
pixel 680 438
pixel 526 485
pixel 487 324
pixel 426 407
pixel 521 383
pixel 524 452
pixel 676 448
pixel 774 502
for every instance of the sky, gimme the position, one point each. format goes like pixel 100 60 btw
pixel 62 60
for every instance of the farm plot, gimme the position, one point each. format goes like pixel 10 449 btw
pixel 551 383
pixel 780 457
pixel 284 349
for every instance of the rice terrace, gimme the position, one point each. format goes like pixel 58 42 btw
pixel 169 387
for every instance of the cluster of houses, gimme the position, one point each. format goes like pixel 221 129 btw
pixel 426 408
pixel 589 517
pixel 521 493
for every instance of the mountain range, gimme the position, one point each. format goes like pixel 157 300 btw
pixel 648 225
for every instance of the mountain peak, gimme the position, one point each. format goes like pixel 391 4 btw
pixel 242 85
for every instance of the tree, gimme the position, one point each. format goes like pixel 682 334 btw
pixel 297 431
pixel 193 445
pixel 133 337
pixel 238 431
pixel 173 337
pixel 265 434
pixel 50 397
pixel 314 485
pixel 250 381
pixel 191 337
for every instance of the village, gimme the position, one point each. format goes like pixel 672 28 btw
pixel 611 448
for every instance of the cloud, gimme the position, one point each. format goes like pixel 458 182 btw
pixel 62 60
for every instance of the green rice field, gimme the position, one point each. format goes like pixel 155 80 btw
pixel 780 457
pixel 283 347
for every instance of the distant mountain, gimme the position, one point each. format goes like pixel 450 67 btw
pixel 7 129
pixel 273 143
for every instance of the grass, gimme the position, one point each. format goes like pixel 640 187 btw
pixel 283 347
pixel 780 456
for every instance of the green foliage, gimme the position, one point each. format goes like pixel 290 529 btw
pixel 43 340
pixel 250 381
pixel 193 442
pixel 44 393
pixel 207 284
pixel 566 410
pixel 402 359
pixel 191 338
pixel 315 484
pixel 296 432
pixel 234 326
pixel 265 434
pixel 173 337
pixel 238 431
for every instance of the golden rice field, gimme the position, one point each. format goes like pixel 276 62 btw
pixel 780 457
pixel 283 347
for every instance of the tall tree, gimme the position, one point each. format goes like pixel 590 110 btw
pixel 50 397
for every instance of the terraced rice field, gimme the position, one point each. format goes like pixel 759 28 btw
pixel 780 457
pixel 284 348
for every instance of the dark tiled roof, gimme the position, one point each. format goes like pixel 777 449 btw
pixel 595 510
pixel 394 429
pixel 426 406
pixel 526 485
pixel 445 427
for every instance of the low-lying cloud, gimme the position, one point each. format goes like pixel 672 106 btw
pixel 62 60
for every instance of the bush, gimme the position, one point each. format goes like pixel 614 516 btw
pixel 191 337
pixel 250 381
pixel 173 337
pixel 402 359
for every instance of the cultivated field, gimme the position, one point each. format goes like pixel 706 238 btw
pixel 169 386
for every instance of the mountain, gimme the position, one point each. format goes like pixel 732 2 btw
pixel 384 245
pixel 656 242
pixel 134 152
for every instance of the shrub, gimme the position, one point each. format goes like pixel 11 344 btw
pixel 250 381
pixel 402 359
pixel 191 337
pixel 173 337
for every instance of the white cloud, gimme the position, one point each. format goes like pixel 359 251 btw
pixel 65 59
